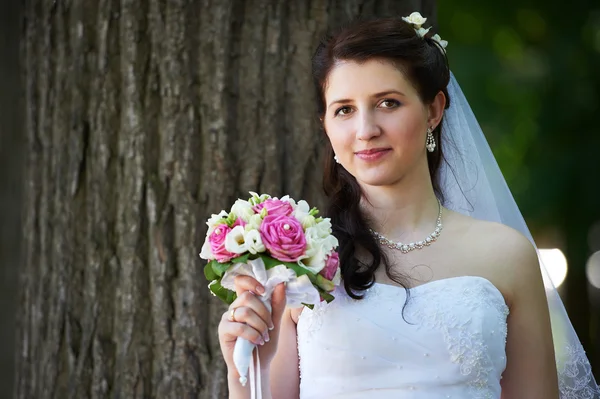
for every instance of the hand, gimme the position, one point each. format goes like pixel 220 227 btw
pixel 252 321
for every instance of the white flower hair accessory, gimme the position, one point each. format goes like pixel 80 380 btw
pixel 442 43
pixel 417 20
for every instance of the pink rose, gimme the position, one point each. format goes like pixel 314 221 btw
pixel 283 237
pixel 217 244
pixel 274 207
pixel 331 266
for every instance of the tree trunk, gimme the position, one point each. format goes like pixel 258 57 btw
pixel 12 146
pixel 142 119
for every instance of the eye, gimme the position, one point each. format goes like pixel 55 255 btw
pixel 343 111
pixel 390 103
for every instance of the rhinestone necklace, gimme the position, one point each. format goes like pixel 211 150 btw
pixel 406 248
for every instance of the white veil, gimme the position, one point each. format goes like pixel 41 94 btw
pixel 473 184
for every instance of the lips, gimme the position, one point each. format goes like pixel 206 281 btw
pixel 373 154
pixel 371 151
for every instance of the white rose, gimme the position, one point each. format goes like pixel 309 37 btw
pixel 242 209
pixel 415 19
pixel 235 242
pixel 254 242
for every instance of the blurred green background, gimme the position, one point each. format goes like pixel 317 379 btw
pixel 531 72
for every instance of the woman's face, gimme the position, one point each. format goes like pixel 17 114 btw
pixel 376 122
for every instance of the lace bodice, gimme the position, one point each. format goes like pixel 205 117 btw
pixel 448 342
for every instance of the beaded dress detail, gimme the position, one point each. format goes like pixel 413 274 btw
pixel 448 342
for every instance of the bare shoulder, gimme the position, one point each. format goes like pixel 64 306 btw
pixel 509 258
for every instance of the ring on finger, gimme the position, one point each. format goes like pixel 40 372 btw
pixel 232 314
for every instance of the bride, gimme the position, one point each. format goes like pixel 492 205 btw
pixel 442 294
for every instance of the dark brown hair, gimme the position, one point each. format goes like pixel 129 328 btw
pixel 424 65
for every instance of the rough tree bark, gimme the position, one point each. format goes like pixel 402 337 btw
pixel 142 118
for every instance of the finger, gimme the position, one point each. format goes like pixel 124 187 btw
pixel 249 299
pixel 247 283
pixel 278 301
pixel 230 331
pixel 248 316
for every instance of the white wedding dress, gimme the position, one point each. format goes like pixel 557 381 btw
pixel 448 342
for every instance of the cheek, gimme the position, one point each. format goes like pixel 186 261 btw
pixel 338 135
pixel 405 130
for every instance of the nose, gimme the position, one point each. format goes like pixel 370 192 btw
pixel 367 126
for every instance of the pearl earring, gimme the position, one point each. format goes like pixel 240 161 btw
pixel 430 144
pixel 336 159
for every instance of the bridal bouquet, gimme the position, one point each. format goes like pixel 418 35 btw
pixel 272 240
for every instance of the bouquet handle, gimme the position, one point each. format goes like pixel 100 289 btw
pixel 244 362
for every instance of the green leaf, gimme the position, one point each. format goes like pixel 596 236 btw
pixel 220 268
pixel 209 273
pixel 222 293
pixel 231 218
pixel 241 259
pixel 327 296
pixel 323 283
pixel 300 271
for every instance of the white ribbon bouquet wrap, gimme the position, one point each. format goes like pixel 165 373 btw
pixel 299 290
pixel 274 241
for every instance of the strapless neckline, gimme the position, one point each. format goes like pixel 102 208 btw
pixel 447 340
pixel 447 280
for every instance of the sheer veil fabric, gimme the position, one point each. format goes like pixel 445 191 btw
pixel 473 184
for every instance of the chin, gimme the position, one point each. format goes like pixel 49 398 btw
pixel 377 180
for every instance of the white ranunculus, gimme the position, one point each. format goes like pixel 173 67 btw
pixel 242 209
pixel 254 242
pixel 235 242
pixel 415 19
pixel 206 252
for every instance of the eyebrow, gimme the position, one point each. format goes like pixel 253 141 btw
pixel 383 93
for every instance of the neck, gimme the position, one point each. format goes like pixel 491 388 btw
pixel 405 211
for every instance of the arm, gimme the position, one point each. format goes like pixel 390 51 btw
pixel 531 369
pixel 284 371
